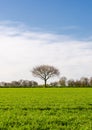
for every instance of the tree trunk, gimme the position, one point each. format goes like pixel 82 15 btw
pixel 45 82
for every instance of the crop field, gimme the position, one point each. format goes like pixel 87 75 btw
pixel 45 109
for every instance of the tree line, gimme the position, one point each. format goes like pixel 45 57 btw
pixel 82 82
pixel 18 84
pixel 45 72
pixel 62 82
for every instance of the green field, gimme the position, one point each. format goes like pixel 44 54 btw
pixel 46 109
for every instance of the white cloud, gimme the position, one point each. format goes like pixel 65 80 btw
pixel 21 49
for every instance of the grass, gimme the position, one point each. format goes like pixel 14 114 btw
pixel 45 109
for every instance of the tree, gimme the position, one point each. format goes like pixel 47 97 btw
pixel 84 82
pixel 14 83
pixel 27 83
pixel 54 84
pixel 45 72
pixel 77 83
pixel 71 83
pixel 62 81
pixel 90 82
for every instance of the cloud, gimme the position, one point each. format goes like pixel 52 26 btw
pixel 72 27
pixel 21 49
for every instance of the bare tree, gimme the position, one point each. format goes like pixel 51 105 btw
pixel 71 83
pixel 45 72
pixel 62 81
pixel 14 83
pixel 27 83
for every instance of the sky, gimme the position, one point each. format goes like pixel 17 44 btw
pixel 51 32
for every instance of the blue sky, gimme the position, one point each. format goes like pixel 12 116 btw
pixel 59 16
pixel 53 32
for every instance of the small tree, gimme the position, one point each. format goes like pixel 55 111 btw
pixel 45 72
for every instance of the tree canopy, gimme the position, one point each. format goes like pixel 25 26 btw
pixel 45 72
